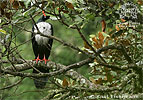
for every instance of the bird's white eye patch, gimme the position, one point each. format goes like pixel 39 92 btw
pixel 44 28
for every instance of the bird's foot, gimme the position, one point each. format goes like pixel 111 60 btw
pixel 44 59
pixel 37 59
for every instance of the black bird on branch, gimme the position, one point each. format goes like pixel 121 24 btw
pixel 41 47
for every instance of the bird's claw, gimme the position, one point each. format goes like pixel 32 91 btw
pixel 37 59
pixel 44 59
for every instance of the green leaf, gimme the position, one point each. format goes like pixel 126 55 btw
pixel 78 19
pixel 2 31
pixel 118 33
pixel 113 31
pixel 7 37
pixel 105 35
pixel 113 73
pixel 90 16
pixel 108 12
pixel 27 3
pixel 71 1
pixel 31 10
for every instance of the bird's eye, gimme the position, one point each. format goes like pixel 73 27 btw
pixel 43 27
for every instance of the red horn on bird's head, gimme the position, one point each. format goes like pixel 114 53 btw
pixel 43 13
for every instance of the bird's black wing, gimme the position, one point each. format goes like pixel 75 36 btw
pixel 34 44
pixel 49 44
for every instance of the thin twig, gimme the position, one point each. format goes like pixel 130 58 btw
pixel 12 85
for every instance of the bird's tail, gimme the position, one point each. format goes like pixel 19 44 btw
pixel 40 83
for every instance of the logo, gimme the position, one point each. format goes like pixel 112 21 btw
pixel 129 12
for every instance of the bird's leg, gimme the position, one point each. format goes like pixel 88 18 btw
pixel 44 59
pixel 37 59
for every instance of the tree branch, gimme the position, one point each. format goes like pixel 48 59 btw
pixel 61 71
pixel 127 57
pixel 100 50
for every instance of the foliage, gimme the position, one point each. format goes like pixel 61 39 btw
pixel 90 35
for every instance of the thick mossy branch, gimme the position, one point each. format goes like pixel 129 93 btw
pixel 30 64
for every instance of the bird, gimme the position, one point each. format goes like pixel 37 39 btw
pixel 41 47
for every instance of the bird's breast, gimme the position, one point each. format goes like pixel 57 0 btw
pixel 41 40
